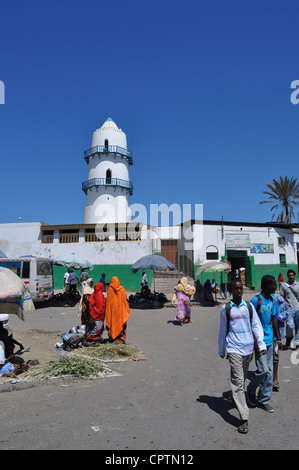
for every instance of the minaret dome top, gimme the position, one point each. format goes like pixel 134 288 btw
pixel 109 134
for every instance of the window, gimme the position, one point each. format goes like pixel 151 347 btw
pixel 108 176
pixel 128 232
pixel 281 241
pixel 106 144
pixel 43 268
pixel 101 234
pixel 212 255
pixel 282 259
pixel 26 270
pixel 47 236
pixel 212 252
pixel 68 236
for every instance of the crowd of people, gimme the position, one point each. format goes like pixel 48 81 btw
pixel 257 328
pixel 247 329
pixel 100 310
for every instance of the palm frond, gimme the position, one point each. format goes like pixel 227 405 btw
pixel 285 193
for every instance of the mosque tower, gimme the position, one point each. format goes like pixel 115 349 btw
pixel 108 187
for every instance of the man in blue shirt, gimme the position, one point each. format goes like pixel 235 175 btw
pixel 267 309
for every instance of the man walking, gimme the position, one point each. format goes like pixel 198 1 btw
pixel 290 292
pixel 239 329
pixel 267 309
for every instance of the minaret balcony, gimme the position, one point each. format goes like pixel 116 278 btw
pixel 107 182
pixel 103 150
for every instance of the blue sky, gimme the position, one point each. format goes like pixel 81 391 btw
pixel 201 89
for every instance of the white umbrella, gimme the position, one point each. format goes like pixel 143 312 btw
pixel 72 260
pixel 215 267
pixel 15 297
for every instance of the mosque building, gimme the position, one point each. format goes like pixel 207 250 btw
pixel 112 242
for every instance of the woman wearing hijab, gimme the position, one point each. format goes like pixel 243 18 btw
pixel 183 292
pixel 84 302
pixel 280 278
pixel 117 311
pixel 97 304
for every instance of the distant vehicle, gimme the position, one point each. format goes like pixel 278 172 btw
pixel 36 273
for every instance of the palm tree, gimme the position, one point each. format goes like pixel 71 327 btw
pixel 284 193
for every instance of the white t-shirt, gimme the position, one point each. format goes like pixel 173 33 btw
pixel 144 279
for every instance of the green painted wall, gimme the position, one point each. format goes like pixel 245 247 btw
pixel 274 270
pixel 256 274
pixel 127 278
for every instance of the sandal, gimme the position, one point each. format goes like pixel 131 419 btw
pixel 243 429
pixel 276 386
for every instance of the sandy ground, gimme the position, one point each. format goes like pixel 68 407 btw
pixel 42 328
pixel 177 398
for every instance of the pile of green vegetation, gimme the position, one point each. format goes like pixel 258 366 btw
pixel 83 363
pixel 108 351
pixel 66 367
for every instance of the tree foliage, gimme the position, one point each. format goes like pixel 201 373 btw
pixel 284 195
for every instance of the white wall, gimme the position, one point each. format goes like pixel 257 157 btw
pixel 214 235
pixel 25 239
pixel 99 165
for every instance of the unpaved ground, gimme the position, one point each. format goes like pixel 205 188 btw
pixel 175 399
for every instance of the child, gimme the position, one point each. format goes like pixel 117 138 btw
pixel 12 366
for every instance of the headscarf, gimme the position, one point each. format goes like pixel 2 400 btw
pixel 117 308
pixel 88 290
pixel 184 287
pixel 97 303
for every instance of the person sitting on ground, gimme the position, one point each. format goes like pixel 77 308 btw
pixel 13 366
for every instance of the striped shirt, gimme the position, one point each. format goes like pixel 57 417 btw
pixel 239 339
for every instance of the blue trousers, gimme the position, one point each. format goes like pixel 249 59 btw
pixel 293 323
pixel 263 377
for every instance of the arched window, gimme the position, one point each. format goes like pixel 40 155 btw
pixel 212 252
pixel 106 144
pixel 108 176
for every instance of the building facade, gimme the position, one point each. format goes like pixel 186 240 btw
pixel 112 243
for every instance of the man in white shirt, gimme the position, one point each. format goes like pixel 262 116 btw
pixel 237 338
pixel 144 279
pixel 66 280
pixel 290 292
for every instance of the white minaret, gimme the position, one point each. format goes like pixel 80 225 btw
pixel 108 187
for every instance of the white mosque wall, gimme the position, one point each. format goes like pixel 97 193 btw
pixel 110 132
pixel 110 207
pixel 98 167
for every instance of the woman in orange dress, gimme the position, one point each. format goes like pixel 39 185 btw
pixel 117 311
